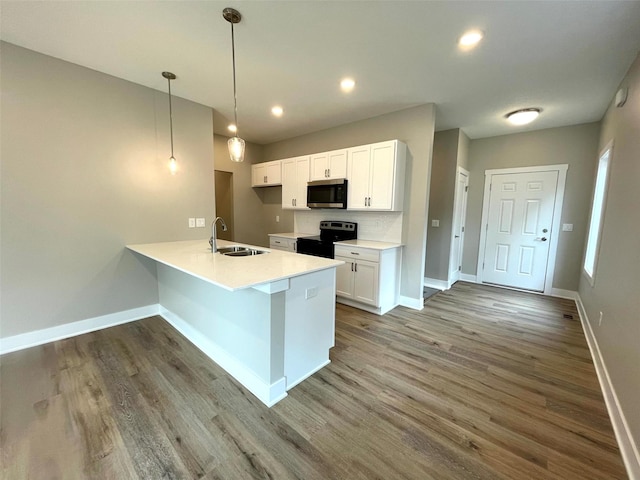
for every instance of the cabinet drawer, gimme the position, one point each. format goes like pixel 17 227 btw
pixel 357 253
pixel 281 243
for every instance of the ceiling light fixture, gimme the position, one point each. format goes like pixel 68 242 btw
pixel 470 39
pixel 173 164
pixel 347 84
pixel 236 144
pixel 277 111
pixel 523 116
pixel 232 128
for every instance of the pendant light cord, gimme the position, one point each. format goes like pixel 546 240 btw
pixel 235 96
pixel 170 116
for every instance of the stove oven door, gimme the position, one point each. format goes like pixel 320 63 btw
pixel 308 246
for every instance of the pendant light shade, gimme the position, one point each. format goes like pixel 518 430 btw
pixel 173 164
pixel 236 144
pixel 236 149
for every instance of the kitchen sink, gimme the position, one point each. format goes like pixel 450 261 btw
pixel 238 251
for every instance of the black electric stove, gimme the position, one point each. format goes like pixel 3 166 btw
pixel 330 231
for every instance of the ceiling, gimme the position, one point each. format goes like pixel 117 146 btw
pixel 566 57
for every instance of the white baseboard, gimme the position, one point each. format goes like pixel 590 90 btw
pixel 60 332
pixel 465 277
pixel 410 302
pixel 267 394
pixel 628 447
pixel 568 294
pixel 436 283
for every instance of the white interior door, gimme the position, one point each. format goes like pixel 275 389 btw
pixel 459 215
pixel 518 229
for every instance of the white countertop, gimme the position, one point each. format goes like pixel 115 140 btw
pixel 232 273
pixel 292 235
pixel 370 244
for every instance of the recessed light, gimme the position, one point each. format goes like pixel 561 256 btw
pixel 523 116
pixel 347 84
pixel 470 39
pixel 232 128
pixel 277 111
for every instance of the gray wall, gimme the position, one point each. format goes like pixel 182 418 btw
pixel 249 218
pixel 443 183
pixel 84 172
pixel 415 127
pixel 450 150
pixel 617 281
pixel 463 150
pixel 575 146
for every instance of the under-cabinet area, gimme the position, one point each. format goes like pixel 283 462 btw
pixel 375 174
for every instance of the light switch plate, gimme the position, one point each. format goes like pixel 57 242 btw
pixel 435 223
pixel 200 222
pixel 192 223
pixel 567 227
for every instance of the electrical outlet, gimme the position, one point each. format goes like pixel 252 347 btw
pixel 192 223
pixel 200 222
pixel 277 218
pixel 310 292
pixel 600 319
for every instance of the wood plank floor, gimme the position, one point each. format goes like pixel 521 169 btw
pixel 483 383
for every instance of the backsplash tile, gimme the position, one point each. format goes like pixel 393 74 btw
pixel 376 226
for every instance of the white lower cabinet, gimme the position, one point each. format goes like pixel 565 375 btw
pixel 357 279
pixel 282 243
pixel 369 278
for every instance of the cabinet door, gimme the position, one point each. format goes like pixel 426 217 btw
pixel 302 177
pixel 382 176
pixel 258 173
pixel 319 166
pixel 358 177
pixel 289 183
pixel 344 278
pixel 365 286
pixel 274 172
pixel 337 164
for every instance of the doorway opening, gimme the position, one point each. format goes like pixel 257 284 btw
pixel 223 182
pixel 459 215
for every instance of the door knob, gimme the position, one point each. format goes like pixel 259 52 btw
pixel 543 239
pixel 457 236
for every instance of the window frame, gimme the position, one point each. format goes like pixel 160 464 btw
pixel 591 277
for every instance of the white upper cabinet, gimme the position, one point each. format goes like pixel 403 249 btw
pixel 328 165
pixel 376 176
pixel 295 175
pixel 266 174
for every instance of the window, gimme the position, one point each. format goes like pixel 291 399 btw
pixel 597 214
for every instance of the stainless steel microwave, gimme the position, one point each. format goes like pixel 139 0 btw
pixel 327 193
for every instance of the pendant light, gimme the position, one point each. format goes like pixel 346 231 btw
pixel 236 144
pixel 173 164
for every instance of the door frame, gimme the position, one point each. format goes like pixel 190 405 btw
pixel 459 171
pixel 555 227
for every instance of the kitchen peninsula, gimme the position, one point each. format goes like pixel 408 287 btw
pixel 268 320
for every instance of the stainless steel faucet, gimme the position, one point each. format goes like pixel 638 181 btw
pixel 214 241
